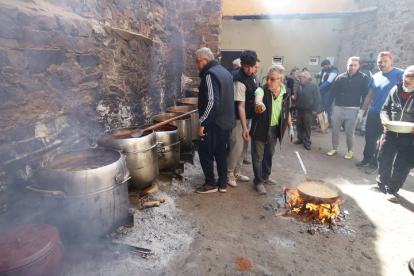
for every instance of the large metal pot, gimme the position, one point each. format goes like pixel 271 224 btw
pixel 168 144
pixel 192 92
pixel 84 214
pixel 184 128
pixel 188 101
pixel 141 154
pixel 82 171
pixel 88 216
pixel 194 118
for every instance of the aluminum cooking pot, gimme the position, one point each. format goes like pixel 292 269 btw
pixel 141 154
pixel 184 128
pixel 168 144
pixel 81 172
pixel 194 118
pixel 192 92
pixel 188 101
pixel 88 216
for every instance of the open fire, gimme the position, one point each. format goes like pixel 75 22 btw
pixel 325 212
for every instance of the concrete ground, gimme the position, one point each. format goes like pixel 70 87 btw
pixel 237 233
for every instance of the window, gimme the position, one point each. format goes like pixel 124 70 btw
pixel 277 60
pixel 313 60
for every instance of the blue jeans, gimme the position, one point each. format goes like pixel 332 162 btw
pixel 213 146
pixel 262 154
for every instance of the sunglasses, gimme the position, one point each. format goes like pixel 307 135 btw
pixel 273 79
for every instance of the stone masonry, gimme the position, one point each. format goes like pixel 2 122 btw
pixel 72 69
pixel 391 29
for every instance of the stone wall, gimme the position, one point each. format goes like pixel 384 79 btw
pixel 390 29
pixel 201 23
pixel 72 69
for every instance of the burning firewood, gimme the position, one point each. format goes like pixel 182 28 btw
pixel 158 198
pixel 150 190
pixel 326 212
pixel 151 204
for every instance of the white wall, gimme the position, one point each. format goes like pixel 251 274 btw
pixel 294 39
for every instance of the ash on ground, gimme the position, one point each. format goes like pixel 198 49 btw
pixel 313 226
pixel 191 175
pixel 165 230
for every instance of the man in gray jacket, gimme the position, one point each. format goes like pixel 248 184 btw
pixel 307 104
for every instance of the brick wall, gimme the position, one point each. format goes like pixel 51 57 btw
pixel 73 69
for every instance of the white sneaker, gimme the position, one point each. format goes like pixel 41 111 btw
pixel 242 178
pixel 231 180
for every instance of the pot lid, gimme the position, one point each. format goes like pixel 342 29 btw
pixel 26 244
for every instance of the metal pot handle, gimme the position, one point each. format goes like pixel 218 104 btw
pixel 138 151
pixel 51 193
pixel 173 144
pixel 124 166
pixel 120 179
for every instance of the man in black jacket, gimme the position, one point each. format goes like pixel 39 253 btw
pixel 307 104
pixel 269 123
pixel 217 118
pixel 348 91
pixel 396 156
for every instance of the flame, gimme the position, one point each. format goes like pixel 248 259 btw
pixel 324 212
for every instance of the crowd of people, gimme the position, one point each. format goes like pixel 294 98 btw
pixel 235 108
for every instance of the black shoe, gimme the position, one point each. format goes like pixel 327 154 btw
pixel 297 142
pixel 247 162
pixel 308 147
pixel 393 197
pixel 363 163
pixel 377 189
pixel 371 169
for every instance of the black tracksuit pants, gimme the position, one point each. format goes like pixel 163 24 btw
pixel 213 146
pixel 393 173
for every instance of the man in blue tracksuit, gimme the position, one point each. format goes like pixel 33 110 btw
pixel 327 75
pixel 217 118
